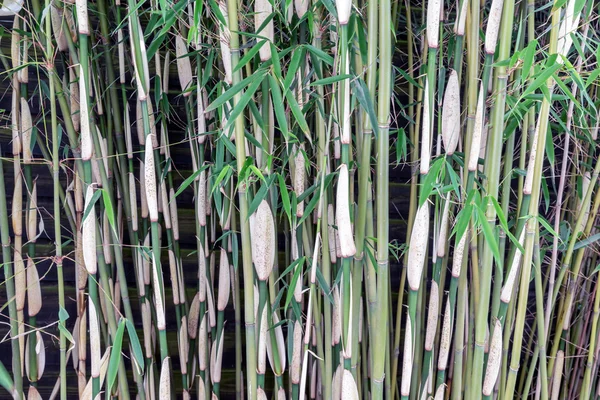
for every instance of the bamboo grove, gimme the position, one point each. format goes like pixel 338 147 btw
pixel 289 123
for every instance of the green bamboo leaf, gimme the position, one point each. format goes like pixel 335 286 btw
pixel 298 115
pixel 249 55
pixel 261 194
pixel 592 77
pixel 90 206
pixel 63 315
pixel 278 106
pixel 229 93
pixel 285 199
pixel 454 179
pixel 245 99
pixel 293 282
pixel 324 286
pixel 430 179
pixel 586 242
pixel 362 94
pixel 115 356
pixel 504 224
pixel 5 379
pixel 290 268
pixel 135 346
pixel 320 54
pixel 490 237
pixel 330 80
pixel 214 7
pixel 221 177
pixel 275 61
pixel 297 57
pixel 541 79
pixel 547 226
pixel 528 57
pixel 108 208
pixel 185 184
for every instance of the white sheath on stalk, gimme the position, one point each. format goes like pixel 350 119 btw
pixel 201 274
pixel 11 7
pixel 224 35
pixel 432 316
pixel 336 331
pixel 183 345
pixel 26 131
pixel 433 23
pixel 173 211
pixel 507 290
pixel 150 182
pixel 201 117
pixel 34 291
pixel 262 228
pixel 133 201
pixel 201 209
pixel 443 234
pixel 445 339
pixel 56 15
pixel 15 123
pixel 407 361
pixel 82 17
pixel 202 349
pixel 493 26
pixel 164 204
pixel 344 225
pixel 158 296
pixel 296 353
pixel 32 215
pixel 557 376
pixel 216 361
pixel 331 233
pixel 349 389
pixel 477 133
pixel 451 114
pixel 94 339
pixel 459 25
pixel 301 7
pixel 184 66
pixel 426 136
pixel 17 203
pixel 344 8
pixel 494 360
pixel 88 229
pixel 224 282
pixel 418 247
pixel 20 281
pixel 164 390
pixel 86 135
pixel 299 179
pixel 262 10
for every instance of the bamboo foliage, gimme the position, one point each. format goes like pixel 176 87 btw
pixel 309 163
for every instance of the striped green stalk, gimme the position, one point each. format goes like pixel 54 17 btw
pixel 382 192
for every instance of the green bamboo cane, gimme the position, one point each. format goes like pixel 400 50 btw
pixel 382 189
pixel 534 174
pixel 57 224
pixel 10 288
pixel 232 9
pixel 492 171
